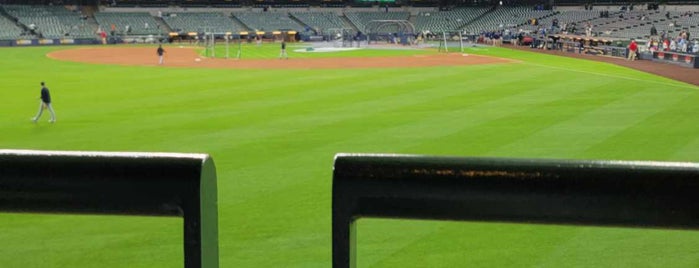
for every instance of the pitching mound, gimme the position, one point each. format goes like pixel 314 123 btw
pixel 187 57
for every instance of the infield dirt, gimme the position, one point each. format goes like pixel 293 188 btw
pixel 187 57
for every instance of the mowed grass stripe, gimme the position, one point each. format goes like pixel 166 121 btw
pixel 499 245
pixel 468 244
pixel 623 247
pixel 576 137
pixel 356 121
pixel 51 244
pixel 320 111
pixel 673 121
pixel 482 128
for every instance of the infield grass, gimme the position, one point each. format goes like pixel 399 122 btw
pixel 273 134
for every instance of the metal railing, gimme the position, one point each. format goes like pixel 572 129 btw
pixel 155 184
pixel 577 192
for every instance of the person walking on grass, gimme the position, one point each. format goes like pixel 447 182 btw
pixel 45 104
pixel 283 52
pixel 160 53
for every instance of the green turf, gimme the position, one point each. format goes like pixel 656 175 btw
pixel 273 134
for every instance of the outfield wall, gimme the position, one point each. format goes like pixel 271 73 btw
pixel 47 42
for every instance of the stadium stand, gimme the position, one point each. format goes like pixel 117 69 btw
pixel 214 22
pixel 225 16
pixel 9 29
pixel 52 21
pixel 439 21
pixel 565 19
pixel 320 21
pixel 637 24
pixel 268 21
pixel 361 19
pixel 140 23
pixel 505 17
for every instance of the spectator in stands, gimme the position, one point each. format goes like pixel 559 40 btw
pixel 673 45
pixel 682 45
pixel 45 104
pixel 103 37
pixel 695 47
pixel 653 31
pixel 633 49
pixel 161 54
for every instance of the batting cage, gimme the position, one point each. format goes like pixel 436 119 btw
pixel 342 37
pixel 390 32
pixel 451 41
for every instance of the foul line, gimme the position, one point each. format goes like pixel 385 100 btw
pixel 676 84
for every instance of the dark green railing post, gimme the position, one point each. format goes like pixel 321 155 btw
pixel 578 192
pixel 155 184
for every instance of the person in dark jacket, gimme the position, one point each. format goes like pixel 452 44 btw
pixel 45 104
pixel 283 51
pixel 160 53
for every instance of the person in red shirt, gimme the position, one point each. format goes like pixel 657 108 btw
pixel 103 36
pixel 633 48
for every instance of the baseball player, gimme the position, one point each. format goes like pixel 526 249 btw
pixel 45 104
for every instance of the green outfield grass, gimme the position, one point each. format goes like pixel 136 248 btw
pixel 273 134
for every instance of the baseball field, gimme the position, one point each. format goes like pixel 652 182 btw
pixel 273 126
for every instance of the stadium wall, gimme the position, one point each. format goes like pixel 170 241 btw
pixel 46 42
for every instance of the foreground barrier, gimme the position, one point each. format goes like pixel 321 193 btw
pixel 605 193
pixel 157 184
